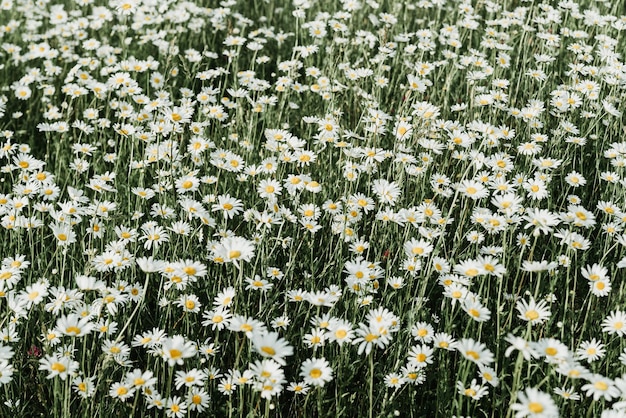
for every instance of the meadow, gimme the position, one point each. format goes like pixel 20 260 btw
pixel 312 208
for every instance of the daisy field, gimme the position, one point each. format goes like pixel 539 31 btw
pixel 294 208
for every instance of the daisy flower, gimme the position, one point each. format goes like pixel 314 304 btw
pixel 423 332
pixel 386 192
pixel 477 311
pixel 125 7
pixel 153 235
pixel 232 249
pixel 474 390
pixel 536 188
pixel 414 248
pixel 444 341
pixel 269 344
pixel 533 312
pixel 590 351
pixel 63 233
pixel 197 399
pixel 316 372
pixel 74 326
pixel 229 206
pixel 84 386
pixel 394 380
pixel 175 349
pixel 534 403
pixel 175 407
pixel 553 350
pixel 595 272
pixel 600 387
pixel 420 356
pixel 121 391
pixel 567 393
pixel 57 365
pixel 473 189
pixel 269 189
pixel 189 303
pixel 218 318
pixel 340 331
pixel 600 288
pixel 193 377
pixel 615 323
pixel 575 179
pixel 475 351
pixel 489 376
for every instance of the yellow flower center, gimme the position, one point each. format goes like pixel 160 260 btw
pixel 58 367
pixel 473 354
pixel 471 272
pixel 531 315
pixel 72 330
pixel 341 334
pixel 268 350
pixel 470 392
pixel 551 351
pixel 601 386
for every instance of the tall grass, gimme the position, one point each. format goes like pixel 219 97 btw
pixel 287 209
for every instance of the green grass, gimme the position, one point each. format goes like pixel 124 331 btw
pixel 399 195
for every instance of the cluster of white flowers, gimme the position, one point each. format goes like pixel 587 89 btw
pixel 252 200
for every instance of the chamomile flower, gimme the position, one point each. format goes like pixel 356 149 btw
pixel 567 393
pixel 175 349
pixel 600 387
pixel 316 372
pixel 56 365
pixel 269 344
pixel 534 403
pixel 532 311
pixel 423 332
pixel 63 233
pixel 475 351
pixel 474 390
pixel 420 356
pixel 590 351
pixel 229 206
pixel 233 249
pixel 615 323
pixel 84 386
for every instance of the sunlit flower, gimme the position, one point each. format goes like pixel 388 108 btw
pixel 590 351
pixel 475 351
pixel 316 372
pixel 233 249
pixel 600 387
pixel 175 349
pixel 615 323
pixel 534 403
pixel 532 311
pixel 474 390
pixel 56 365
